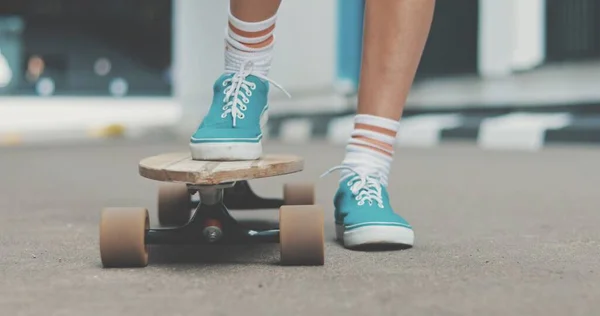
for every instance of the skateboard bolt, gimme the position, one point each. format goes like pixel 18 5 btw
pixel 212 233
pixel 212 230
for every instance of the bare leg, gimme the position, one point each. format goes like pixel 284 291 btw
pixel 254 10
pixel 395 34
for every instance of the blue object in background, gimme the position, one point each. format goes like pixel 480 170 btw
pixel 11 47
pixel 349 44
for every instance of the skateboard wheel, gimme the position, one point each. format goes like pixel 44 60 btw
pixel 302 235
pixel 122 237
pixel 174 204
pixel 299 194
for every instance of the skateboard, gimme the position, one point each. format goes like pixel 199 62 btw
pixel 193 208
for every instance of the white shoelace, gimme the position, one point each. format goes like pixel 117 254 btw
pixel 238 88
pixel 366 186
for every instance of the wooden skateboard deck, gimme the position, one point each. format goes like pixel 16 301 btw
pixel 221 186
pixel 180 167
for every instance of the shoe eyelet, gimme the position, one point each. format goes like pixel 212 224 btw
pixel 243 108
pixel 253 86
pixel 241 115
pixel 249 93
pixel 223 115
pixel 361 203
pixel 246 101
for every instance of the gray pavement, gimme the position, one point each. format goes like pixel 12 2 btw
pixel 497 233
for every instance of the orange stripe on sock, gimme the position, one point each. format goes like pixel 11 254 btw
pixel 375 129
pixel 255 34
pixel 375 142
pixel 251 34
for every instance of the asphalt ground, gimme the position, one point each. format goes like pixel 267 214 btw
pixel 497 233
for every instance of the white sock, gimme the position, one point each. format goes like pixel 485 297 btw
pixel 368 159
pixel 237 51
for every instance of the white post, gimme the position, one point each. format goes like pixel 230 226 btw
pixel 511 36
pixel 496 25
pixel 530 34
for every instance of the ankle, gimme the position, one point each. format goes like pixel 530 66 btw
pixel 249 41
pixel 370 148
pixel 252 35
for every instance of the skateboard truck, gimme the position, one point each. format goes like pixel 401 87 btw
pixel 211 222
pixel 241 197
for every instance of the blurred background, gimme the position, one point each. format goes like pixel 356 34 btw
pixel 88 88
pixel 70 67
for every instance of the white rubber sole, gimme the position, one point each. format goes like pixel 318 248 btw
pixel 375 235
pixel 230 151
pixel 226 151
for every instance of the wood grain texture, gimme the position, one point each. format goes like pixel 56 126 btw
pixel 180 167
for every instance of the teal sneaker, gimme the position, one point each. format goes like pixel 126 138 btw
pixel 233 127
pixel 363 214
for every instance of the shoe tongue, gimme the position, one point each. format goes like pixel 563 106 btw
pixel 255 79
pixel 250 78
pixel 366 171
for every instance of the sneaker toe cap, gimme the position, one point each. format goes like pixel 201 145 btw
pixel 355 220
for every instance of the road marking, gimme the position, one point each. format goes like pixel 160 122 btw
pixel 425 130
pixel 11 139
pixel 108 131
pixel 524 131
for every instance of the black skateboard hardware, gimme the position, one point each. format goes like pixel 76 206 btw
pixel 241 197
pixel 211 222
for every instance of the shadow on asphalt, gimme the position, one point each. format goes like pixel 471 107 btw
pixel 208 255
pixel 381 248
pixel 213 255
